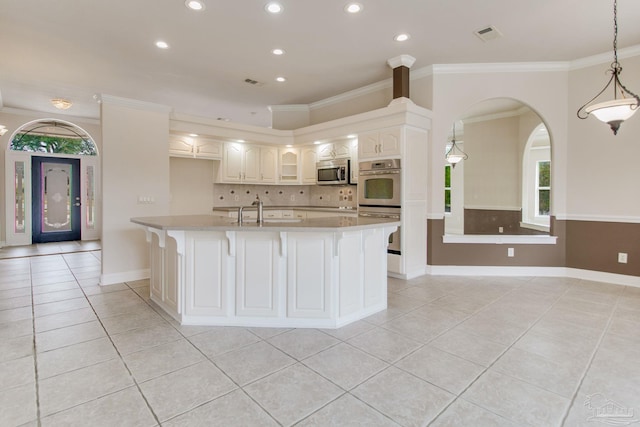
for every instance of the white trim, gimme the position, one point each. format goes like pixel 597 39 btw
pixel 500 239
pixel 493 208
pixel 597 218
pixel 402 60
pixel 537 227
pixel 437 216
pixel 352 94
pixel 604 58
pixel 501 67
pixel 598 276
pixel 495 116
pixel 52 116
pixel 127 276
pixel 133 103
pixel 290 107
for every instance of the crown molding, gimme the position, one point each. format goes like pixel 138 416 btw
pixel 501 67
pixel 604 58
pixel 133 103
pixel 402 60
pixel 302 108
pixel 42 115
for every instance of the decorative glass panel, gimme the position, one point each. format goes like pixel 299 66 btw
pixel 90 201
pixel 19 213
pixel 53 136
pixel 56 197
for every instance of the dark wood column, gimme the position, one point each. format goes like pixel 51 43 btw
pixel 401 82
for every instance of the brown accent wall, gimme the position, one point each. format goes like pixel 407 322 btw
pixel 476 254
pixel 488 221
pixel 586 245
pixel 593 245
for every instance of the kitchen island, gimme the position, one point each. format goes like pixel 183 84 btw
pixel 318 273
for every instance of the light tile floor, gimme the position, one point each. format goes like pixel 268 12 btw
pixel 449 351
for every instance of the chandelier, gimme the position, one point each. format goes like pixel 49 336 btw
pixel 455 155
pixel 617 110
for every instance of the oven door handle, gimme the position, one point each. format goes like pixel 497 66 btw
pixel 378 215
pixel 384 172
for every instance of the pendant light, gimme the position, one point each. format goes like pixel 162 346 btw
pixel 455 155
pixel 617 110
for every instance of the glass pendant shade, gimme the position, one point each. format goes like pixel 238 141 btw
pixel 455 155
pixel 615 110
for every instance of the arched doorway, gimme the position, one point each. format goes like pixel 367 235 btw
pixel 52 184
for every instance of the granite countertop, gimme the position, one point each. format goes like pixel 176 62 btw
pixel 301 208
pixel 216 223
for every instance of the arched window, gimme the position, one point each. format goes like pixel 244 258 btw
pixel 54 137
pixel 536 180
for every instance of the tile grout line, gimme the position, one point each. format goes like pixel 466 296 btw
pixel 115 348
pixel 498 358
pixel 34 348
pixel 593 356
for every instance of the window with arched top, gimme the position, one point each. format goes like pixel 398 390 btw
pixel 53 137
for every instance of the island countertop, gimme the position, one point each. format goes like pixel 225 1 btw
pixel 217 223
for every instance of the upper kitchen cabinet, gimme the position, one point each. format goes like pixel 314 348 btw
pixel 355 166
pixel 248 164
pixel 289 165
pixel 334 150
pixel 201 148
pixel 379 144
pixel 309 158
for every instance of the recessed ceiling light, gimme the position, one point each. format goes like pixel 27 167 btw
pixel 317 142
pixel 289 145
pixel 353 135
pixel 193 135
pixel 402 37
pixel 353 8
pixel 61 104
pixel 162 44
pixel 281 79
pixel 240 140
pixel 277 51
pixel 195 4
pixel 273 7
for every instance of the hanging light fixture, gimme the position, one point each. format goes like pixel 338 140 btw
pixel 455 155
pixel 617 110
pixel 61 103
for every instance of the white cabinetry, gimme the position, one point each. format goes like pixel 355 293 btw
pixel 354 162
pixel 380 144
pixel 309 158
pixel 201 148
pixel 334 150
pixel 257 274
pixel 289 166
pixel 248 164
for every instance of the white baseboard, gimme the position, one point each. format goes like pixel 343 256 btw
pixel 596 276
pixel 128 276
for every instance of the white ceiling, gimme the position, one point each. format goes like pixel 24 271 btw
pixel 75 49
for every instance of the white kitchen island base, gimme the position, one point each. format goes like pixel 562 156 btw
pixel 275 276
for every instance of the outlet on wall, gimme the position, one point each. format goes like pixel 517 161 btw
pixel 500 229
pixel 622 257
pixel 510 252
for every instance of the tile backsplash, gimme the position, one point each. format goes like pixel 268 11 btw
pixel 285 195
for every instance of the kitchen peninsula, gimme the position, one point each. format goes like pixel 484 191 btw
pixel 318 272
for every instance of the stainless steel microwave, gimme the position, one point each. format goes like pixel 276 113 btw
pixel 333 172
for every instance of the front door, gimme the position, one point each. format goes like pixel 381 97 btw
pixel 56 199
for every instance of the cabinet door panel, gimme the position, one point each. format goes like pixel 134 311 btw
pixel 232 163
pixel 257 275
pixel 268 164
pixel 309 160
pixel 206 275
pixel 251 164
pixel 308 275
pixel 390 142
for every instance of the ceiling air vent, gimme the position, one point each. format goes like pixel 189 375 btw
pixel 488 33
pixel 253 82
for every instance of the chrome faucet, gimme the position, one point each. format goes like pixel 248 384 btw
pixel 258 202
pixel 240 215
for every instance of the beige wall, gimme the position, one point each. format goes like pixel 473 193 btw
pixel 191 186
pixel 602 169
pixel 135 163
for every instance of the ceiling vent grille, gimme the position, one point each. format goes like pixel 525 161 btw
pixel 488 33
pixel 253 82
